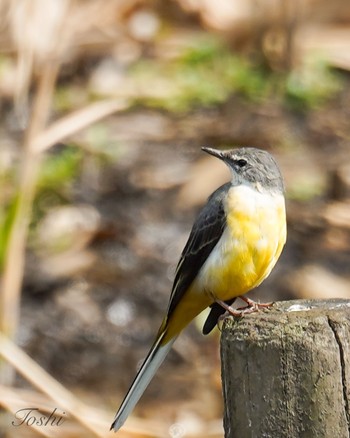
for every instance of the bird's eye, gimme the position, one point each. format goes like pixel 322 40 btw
pixel 242 162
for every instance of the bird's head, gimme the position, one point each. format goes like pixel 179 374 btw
pixel 251 166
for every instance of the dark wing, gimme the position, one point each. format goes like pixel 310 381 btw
pixel 212 319
pixel 205 234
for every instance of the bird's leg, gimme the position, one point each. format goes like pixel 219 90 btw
pixel 230 310
pixel 253 306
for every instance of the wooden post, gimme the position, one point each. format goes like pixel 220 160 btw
pixel 286 371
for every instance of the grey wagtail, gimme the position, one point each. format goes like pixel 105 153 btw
pixel 235 242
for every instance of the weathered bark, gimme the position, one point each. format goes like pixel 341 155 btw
pixel 286 371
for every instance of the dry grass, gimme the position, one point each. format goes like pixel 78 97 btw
pixel 39 57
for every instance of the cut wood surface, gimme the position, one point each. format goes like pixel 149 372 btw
pixel 286 371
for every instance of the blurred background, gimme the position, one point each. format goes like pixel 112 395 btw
pixel 104 108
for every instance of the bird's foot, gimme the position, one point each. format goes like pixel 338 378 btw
pixel 253 306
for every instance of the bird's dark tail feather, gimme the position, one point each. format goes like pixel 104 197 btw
pixel 148 369
pixel 215 312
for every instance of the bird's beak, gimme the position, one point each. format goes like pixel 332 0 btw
pixel 215 152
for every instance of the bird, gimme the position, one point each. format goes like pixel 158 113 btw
pixel 234 243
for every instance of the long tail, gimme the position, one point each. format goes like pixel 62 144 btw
pixel 148 369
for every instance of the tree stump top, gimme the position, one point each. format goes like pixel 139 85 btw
pixel 286 371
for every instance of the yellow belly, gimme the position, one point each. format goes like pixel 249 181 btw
pixel 249 247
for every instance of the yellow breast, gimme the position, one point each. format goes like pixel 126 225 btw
pixel 250 245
